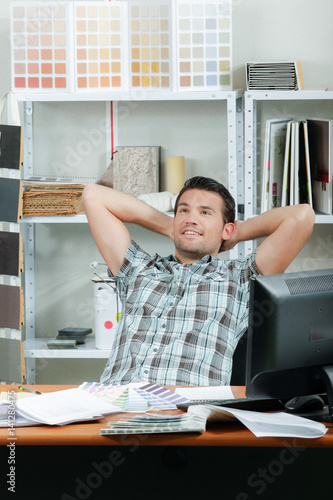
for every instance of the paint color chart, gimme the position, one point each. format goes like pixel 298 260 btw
pixel 40 36
pixel 150 47
pixel 203 45
pixel 99 45
pixel 96 46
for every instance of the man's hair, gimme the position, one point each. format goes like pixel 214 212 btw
pixel 207 184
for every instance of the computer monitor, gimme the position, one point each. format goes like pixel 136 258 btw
pixel 290 336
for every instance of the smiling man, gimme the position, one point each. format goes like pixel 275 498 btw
pixel 183 315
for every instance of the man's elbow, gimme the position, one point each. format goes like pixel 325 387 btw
pixel 306 217
pixel 89 194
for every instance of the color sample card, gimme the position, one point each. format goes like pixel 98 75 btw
pixel 11 257
pixel 150 47
pixel 40 35
pixel 99 50
pixel 11 195
pixel 203 44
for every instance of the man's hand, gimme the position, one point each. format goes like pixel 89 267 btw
pixel 286 230
pixel 108 210
pixel 234 238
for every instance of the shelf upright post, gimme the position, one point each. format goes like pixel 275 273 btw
pixel 28 239
pixel 250 162
pixel 235 154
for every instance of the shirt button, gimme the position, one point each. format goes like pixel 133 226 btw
pixel 146 371
pixel 171 304
pixel 163 326
pixel 155 350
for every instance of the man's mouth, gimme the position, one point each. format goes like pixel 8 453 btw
pixel 190 232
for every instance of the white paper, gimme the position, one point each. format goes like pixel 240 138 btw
pixel 276 424
pixel 214 393
pixel 62 407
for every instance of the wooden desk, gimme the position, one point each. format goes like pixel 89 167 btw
pixel 74 462
pixel 220 434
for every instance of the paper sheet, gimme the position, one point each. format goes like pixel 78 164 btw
pixel 276 424
pixel 206 393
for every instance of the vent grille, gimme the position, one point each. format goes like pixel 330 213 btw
pixel 320 283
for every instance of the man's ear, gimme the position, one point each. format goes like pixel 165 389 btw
pixel 228 229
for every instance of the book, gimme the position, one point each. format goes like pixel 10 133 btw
pixel 307 164
pixel 286 168
pixel 320 145
pixel 278 131
pixel 273 163
pixel 196 419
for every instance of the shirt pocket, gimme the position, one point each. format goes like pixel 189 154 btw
pixel 147 293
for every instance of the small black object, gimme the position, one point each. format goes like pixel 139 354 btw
pixel 239 403
pixel 304 404
pixel 72 333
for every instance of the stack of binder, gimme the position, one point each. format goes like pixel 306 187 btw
pixel 274 76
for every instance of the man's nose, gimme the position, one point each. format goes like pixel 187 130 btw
pixel 191 218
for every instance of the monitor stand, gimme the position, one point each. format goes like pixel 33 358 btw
pixel 325 373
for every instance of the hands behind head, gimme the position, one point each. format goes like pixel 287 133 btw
pixel 233 239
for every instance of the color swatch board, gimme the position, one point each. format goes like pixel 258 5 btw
pixel 11 307
pixel 11 197
pixel 11 253
pixel 11 147
pixel 155 45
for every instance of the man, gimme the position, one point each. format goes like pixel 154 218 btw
pixel 183 315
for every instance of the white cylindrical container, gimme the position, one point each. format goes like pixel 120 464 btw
pixel 107 312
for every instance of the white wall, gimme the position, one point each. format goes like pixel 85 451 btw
pixel 262 30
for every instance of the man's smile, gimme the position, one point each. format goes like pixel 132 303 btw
pixel 190 232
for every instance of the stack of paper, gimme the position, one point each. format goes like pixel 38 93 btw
pixel 260 424
pixel 55 408
pixel 274 76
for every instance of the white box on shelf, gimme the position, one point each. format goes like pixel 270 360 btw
pixel 107 312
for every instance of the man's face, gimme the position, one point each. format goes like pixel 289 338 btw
pixel 198 226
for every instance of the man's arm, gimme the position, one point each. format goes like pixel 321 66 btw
pixel 107 210
pixel 286 229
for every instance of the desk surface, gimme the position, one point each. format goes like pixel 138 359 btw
pixel 218 434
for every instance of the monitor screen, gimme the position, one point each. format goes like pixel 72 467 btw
pixel 290 336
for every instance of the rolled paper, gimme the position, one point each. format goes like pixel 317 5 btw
pixel 160 201
pixel 173 201
pixel 175 177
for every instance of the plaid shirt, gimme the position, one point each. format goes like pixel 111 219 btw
pixel 181 322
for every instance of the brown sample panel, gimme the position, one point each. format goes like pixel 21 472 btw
pixel 11 307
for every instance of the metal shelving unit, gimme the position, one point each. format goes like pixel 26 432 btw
pixel 251 100
pixel 36 347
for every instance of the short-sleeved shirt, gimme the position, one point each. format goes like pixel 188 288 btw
pixel 180 323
